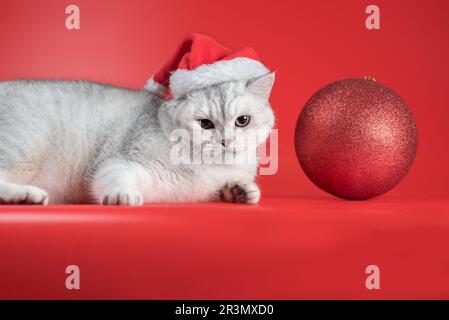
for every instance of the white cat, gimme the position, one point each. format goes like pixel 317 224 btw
pixel 82 142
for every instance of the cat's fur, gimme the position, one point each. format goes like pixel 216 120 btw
pixel 82 142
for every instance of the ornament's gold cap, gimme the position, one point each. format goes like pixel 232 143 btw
pixel 370 78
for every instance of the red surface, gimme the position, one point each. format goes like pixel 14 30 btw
pixel 310 246
pixel 282 249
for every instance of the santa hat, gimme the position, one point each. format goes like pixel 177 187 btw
pixel 201 62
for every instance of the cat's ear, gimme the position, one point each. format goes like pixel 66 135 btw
pixel 262 86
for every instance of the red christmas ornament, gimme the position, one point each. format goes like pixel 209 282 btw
pixel 356 139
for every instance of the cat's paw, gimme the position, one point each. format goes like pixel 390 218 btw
pixel 23 194
pixel 123 197
pixel 242 192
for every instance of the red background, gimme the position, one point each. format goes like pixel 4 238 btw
pixel 313 242
pixel 308 43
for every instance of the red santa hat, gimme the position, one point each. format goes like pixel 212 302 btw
pixel 200 62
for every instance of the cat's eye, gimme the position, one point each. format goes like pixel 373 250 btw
pixel 206 124
pixel 242 121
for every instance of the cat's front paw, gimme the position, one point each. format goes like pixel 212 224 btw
pixel 123 197
pixel 242 192
pixel 23 194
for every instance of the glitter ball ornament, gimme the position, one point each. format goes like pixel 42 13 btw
pixel 356 138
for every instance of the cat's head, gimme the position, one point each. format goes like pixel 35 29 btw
pixel 232 117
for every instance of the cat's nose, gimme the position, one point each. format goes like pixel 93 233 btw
pixel 225 142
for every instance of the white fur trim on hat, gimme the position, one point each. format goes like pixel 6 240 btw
pixel 185 81
pixel 156 88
